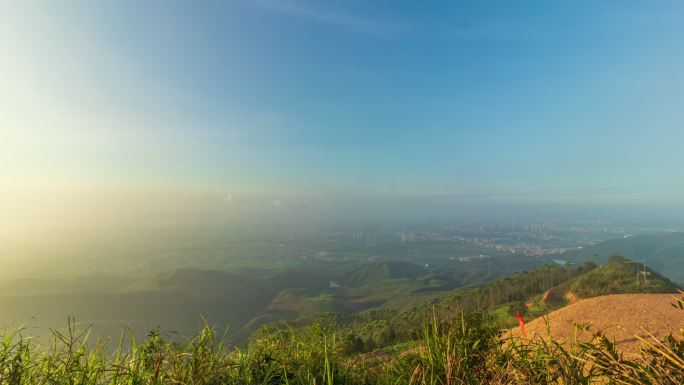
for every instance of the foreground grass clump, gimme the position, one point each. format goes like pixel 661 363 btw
pixel 466 350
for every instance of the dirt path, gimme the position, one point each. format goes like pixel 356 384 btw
pixel 615 316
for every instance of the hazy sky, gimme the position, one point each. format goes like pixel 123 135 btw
pixel 504 101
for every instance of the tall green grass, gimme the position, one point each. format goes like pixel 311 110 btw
pixel 466 350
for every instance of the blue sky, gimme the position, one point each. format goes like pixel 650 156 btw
pixel 521 101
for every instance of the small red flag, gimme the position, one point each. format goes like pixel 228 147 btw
pixel 522 323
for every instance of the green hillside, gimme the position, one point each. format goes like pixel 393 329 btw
pixel 329 329
pixel 176 300
pixel 531 293
pixel 380 299
pixel 466 350
pixel 663 252
pixel 376 271
pixel 242 299
pixel 620 276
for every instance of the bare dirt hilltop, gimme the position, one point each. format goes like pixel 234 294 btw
pixel 617 316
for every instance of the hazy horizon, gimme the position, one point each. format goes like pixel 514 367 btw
pixel 144 114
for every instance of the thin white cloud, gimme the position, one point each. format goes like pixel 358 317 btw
pixel 333 17
pixel 462 30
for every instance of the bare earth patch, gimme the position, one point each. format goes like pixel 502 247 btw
pixel 618 317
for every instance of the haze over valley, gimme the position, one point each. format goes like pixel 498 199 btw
pixel 307 192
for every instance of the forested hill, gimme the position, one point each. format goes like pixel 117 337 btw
pixel 531 293
pixel 620 276
pixel 663 252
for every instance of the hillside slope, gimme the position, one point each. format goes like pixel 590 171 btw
pixel 620 276
pixel 619 317
pixel 176 301
pixel 662 252
pixel 377 271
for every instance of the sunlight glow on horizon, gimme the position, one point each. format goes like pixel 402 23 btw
pixel 170 106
